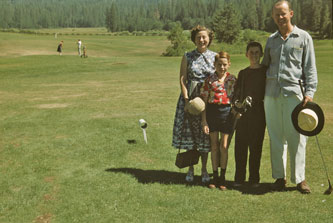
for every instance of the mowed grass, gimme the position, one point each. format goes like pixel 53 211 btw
pixel 65 123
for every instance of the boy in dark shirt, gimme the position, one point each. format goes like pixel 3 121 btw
pixel 250 129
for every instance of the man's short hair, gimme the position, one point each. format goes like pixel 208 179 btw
pixel 279 2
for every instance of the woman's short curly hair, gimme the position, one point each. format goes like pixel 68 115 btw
pixel 198 29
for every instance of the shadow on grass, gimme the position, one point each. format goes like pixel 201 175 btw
pixel 261 190
pixel 167 177
pixel 158 176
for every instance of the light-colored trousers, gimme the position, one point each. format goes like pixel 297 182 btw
pixel 283 137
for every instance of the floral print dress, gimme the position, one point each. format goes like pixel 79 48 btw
pixel 187 130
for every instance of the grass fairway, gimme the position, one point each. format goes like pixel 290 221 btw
pixel 65 123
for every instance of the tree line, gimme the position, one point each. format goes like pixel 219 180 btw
pixel 144 15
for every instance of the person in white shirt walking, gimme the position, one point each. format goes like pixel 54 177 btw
pixel 79 44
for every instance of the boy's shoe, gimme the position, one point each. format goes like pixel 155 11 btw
pixel 213 184
pixel 223 188
pixel 222 185
pixel 279 184
pixel 189 176
pixel 205 177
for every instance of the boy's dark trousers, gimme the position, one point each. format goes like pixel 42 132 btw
pixel 250 131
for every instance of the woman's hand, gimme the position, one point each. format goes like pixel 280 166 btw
pixel 205 127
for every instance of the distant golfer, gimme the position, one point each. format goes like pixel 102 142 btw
pixel 289 55
pixel 84 55
pixel 79 44
pixel 59 49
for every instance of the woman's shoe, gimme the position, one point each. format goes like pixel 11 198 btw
pixel 205 177
pixel 189 176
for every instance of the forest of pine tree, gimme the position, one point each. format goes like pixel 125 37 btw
pixel 144 15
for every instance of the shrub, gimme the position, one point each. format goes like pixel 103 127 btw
pixel 179 42
pixel 139 33
pixel 125 33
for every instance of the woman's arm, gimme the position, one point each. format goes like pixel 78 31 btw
pixel 183 78
pixel 204 96
pixel 183 81
pixel 204 123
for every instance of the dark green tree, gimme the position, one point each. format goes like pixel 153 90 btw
pixel 6 14
pixel 325 23
pixel 226 24
pixel 250 16
pixel 316 15
pixel 269 22
pixel 261 15
pixel 112 18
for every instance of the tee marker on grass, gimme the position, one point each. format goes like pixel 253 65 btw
pixel 143 125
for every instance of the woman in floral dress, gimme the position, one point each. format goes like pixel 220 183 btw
pixel 195 67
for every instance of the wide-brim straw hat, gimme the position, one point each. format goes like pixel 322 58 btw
pixel 196 106
pixel 309 119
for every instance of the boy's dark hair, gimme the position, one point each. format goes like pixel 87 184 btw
pixel 254 44
pixel 199 28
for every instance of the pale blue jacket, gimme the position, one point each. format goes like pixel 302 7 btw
pixel 288 61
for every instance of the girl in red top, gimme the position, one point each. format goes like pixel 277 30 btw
pixel 217 92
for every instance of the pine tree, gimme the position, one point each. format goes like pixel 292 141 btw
pixel 325 23
pixel 250 17
pixel 261 15
pixel 316 15
pixel 226 24
pixel 112 18
pixel 270 26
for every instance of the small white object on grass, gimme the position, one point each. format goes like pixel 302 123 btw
pixel 143 125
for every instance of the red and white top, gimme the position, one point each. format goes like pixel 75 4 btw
pixel 218 92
